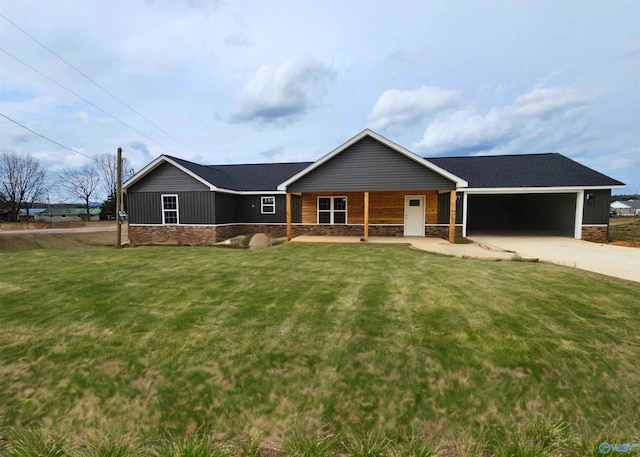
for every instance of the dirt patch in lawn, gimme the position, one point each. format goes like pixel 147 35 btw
pixel 628 244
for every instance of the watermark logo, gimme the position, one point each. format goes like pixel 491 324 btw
pixel 606 448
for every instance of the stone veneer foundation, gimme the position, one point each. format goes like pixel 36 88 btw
pixel 595 233
pixel 192 235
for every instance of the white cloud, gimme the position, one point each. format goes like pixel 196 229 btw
pixel 541 119
pixel 396 108
pixel 544 101
pixel 82 116
pixel 138 154
pixel 282 94
pixel 466 131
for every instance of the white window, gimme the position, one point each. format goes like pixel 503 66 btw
pixel 268 205
pixel 332 210
pixel 170 209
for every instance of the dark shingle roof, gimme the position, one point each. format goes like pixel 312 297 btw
pixel 245 177
pixel 523 170
pixel 261 176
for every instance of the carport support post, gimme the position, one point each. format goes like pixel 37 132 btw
pixel 288 216
pixel 366 216
pixel 452 217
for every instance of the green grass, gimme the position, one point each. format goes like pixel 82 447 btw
pixel 312 350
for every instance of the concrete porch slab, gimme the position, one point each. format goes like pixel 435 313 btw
pixel 430 244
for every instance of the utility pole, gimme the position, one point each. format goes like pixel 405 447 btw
pixel 119 197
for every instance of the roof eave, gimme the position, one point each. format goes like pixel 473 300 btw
pixel 533 189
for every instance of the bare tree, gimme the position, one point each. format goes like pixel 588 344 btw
pixel 108 167
pixel 22 181
pixel 81 183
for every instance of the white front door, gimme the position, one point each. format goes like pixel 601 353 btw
pixel 414 215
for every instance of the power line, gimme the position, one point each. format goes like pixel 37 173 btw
pixel 95 83
pixel 46 138
pixel 87 101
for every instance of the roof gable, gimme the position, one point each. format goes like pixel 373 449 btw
pixel 177 163
pixel 620 205
pixel 459 182
pixel 261 177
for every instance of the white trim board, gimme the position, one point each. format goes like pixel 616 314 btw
pixel 531 190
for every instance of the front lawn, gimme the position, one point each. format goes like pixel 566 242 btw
pixel 314 350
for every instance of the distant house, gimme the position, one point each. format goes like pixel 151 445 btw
pixel 5 214
pixel 33 212
pixel 626 208
pixel 369 186
pixel 68 215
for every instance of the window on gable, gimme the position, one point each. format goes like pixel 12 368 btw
pixel 268 205
pixel 170 209
pixel 332 210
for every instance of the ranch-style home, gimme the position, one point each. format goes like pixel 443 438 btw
pixel 368 186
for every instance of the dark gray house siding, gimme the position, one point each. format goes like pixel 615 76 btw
pixel 226 208
pixel 166 177
pixel 144 207
pixel 250 210
pixel 196 207
pixel 296 209
pixel 369 165
pixel 211 208
pixel 596 208
pixel 193 207
pixel 444 203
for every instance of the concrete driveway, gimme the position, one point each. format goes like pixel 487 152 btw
pixel 619 261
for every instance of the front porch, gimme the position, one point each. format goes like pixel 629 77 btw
pixel 375 214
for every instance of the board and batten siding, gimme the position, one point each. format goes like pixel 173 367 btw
pixel 226 208
pixel 596 209
pixel 444 202
pixel 193 207
pixel 251 209
pixel 369 165
pixel 166 178
pixel 247 209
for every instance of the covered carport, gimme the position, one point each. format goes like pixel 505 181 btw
pixel 544 214
pixel 536 194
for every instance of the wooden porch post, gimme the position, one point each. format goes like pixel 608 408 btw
pixel 288 216
pixel 366 216
pixel 452 217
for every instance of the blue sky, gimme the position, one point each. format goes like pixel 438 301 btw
pixel 244 82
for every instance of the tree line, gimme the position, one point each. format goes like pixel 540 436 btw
pixel 24 182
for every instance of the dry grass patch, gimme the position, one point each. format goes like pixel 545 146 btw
pixel 625 231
